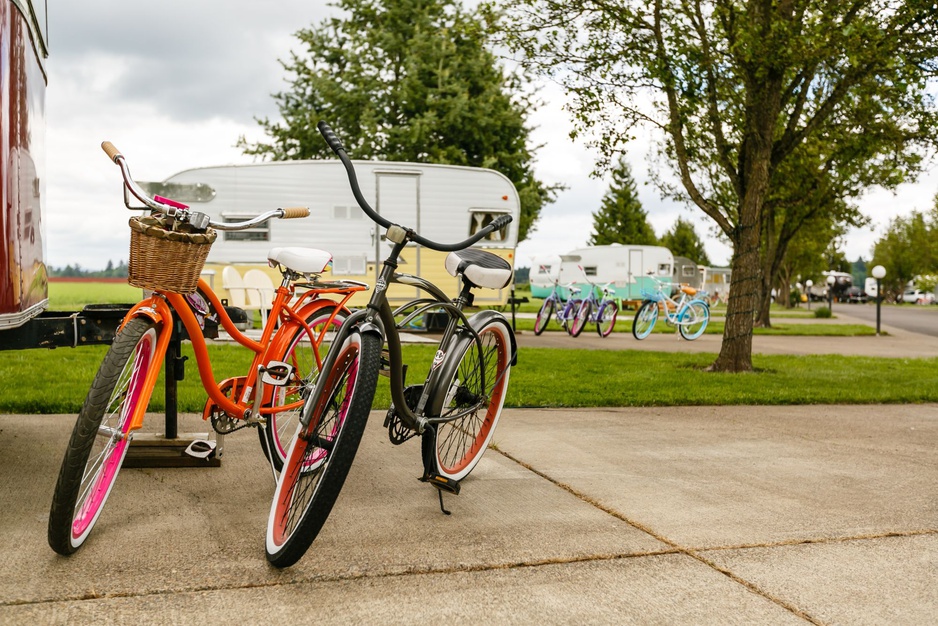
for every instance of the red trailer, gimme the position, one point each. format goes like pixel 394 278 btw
pixel 24 321
pixel 23 52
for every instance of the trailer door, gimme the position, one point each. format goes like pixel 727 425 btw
pixel 637 273
pixel 398 199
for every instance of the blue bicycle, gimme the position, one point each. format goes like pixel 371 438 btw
pixel 600 311
pixel 689 313
pixel 554 304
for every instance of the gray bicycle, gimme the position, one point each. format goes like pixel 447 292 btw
pixel 454 411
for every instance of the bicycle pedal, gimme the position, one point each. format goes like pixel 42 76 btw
pixel 277 373
pixel 442 483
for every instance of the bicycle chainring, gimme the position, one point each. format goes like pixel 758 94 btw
pixel 398 431
pixel 225 425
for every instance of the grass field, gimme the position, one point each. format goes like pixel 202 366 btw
pixel 544 377
pixel 72 296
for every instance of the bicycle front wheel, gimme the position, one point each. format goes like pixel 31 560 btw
pixel 693 320
pixel 645 319
pixel 582 316
pixel 606 318
pixel 475 390
pixel 281 426
pixel 544 315
pixel 101 435
pixel 321 453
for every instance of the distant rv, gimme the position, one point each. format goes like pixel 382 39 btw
pixel 687 272
pixel 445 203
pixel 630 269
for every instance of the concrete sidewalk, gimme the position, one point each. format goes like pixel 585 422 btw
pixel 768 515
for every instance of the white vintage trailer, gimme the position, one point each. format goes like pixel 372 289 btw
pixel 629 268
pixel 545 271
pixel 442 202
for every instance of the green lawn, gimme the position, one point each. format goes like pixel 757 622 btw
pixel 67 296
pixel 544 377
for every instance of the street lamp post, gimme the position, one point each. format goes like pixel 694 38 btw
pixel 809 283
pixel 830 293
pixel 879 272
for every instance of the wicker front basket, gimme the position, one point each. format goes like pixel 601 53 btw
pixel 164 259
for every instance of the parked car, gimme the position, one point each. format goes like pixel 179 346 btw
pixel 916 296
pixel 855 295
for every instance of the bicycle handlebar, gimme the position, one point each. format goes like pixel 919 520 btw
pixel 336 145
pixel 181 211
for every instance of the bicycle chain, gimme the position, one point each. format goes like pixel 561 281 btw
pixel 227 430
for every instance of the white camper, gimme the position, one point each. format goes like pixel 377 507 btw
pixel 629 268
pixel 545 271
pixel 442 202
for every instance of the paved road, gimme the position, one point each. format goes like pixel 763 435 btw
pixel 910 317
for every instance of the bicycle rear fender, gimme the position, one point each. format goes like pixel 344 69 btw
pixel 458 345
pixel 482 318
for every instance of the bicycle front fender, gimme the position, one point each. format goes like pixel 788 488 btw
pixel 153 308
pixel 157 311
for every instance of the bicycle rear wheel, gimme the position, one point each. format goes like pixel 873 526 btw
pixel 101 435
pixel 693 320
pixel 281 426
pixel 645 319
pixel 606 318
pixel 569 312
pixel 475 388
pixel 544 315
pixel 582 316
pixel 321 454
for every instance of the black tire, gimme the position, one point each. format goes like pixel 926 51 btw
pixel 606 318
pixel 281 426
pixel 94 456
pixel 459 444
pixel 544 316
pixel 581 318
pixel 313 474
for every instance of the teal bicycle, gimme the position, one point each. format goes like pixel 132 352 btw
pixel 689 312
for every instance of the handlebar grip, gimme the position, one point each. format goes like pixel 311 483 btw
pixel 110 150
pixel 500 222
pixel 290 213
pixel 330 137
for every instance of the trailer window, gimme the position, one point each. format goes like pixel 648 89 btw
pixel 347 213
pixel 589 270
pixel 664 269
pixel 543 269
pixel 480 218
pixel 349 265
pixel 260 232
pixel 689 270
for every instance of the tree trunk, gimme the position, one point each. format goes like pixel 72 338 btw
pixel 736 350
pixel 764 308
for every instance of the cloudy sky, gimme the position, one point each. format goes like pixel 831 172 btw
pixel 173 84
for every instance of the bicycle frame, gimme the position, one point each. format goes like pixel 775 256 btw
pixel 161 305
pixel 379 318
pixel 667 303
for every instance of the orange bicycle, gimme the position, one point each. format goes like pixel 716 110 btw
pixel 287 361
